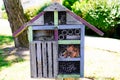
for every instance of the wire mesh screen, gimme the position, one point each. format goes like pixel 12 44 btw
pixel 69 67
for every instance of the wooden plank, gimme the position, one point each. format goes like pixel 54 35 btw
pixel 39 62
pixel 56 18
pixel 30 34
pixel 72 20
pixel 44 59
pixel 55 58
pixel 69 42
pixel 20 30
pixel 69 59
pixel 82 52
pixel 56 24
pixel 36 17
pixel 85 23
pixel 50 68
pixel 39 21
pixel 56 34
pixel 68 76
pixel 50 27
pixel 70 26
pixel 33 60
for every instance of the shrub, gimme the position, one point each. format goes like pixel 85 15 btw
pixel 69 3
pixel 4 15
pixel 103 14
pixel 33 11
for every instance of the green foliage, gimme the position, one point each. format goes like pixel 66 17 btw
pixel 30 13
pixel 6 63
pixel 4 53
pixel 3 8
pixel 5 39
pixel 4 15
pixel 33 11
pixel 69 3
pixel 103 14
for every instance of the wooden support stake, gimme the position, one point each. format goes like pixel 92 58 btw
pixel 67 79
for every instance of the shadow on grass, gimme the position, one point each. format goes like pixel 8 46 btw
pixel 5 39
pixel 7 57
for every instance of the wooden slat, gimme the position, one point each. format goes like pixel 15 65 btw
pixel 71 26
pixel 49 27
pixel 68 76
pixel 33 60
pixel 56 34
pixel 20 30
pixel 30 34
pixel 56 18
pixel 39 59
pixel 49 59
pixel 82 52
pixel 55 57
pixel 44 59
pixel 69 59
pixel 69 42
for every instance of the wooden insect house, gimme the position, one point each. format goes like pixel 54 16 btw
pixel 56 37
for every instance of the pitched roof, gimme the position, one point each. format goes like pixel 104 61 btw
pixel 58 7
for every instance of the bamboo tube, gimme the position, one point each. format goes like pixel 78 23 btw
pixel 61 37
pixel 77 32
pixel 64 32
pixel 70 32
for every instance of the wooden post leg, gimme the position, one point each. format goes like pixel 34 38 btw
pixel 67 79
pixel 71 79
pixel 59 79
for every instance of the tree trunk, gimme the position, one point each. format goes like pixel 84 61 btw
pixel 16 18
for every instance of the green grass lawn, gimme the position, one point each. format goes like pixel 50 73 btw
pixel 5 40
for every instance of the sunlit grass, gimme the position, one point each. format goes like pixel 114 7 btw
pixel 5 62
pixel 5 52
pixel 5 39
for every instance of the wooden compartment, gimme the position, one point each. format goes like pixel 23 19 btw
pixel 69 51
pixel 61 17
pixel 49 18
pixel 40 35
pixel 69 67
pixel 69 34
pixel 43 59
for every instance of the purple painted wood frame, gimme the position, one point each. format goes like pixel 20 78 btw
pixel 24 26
pixel 56 34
